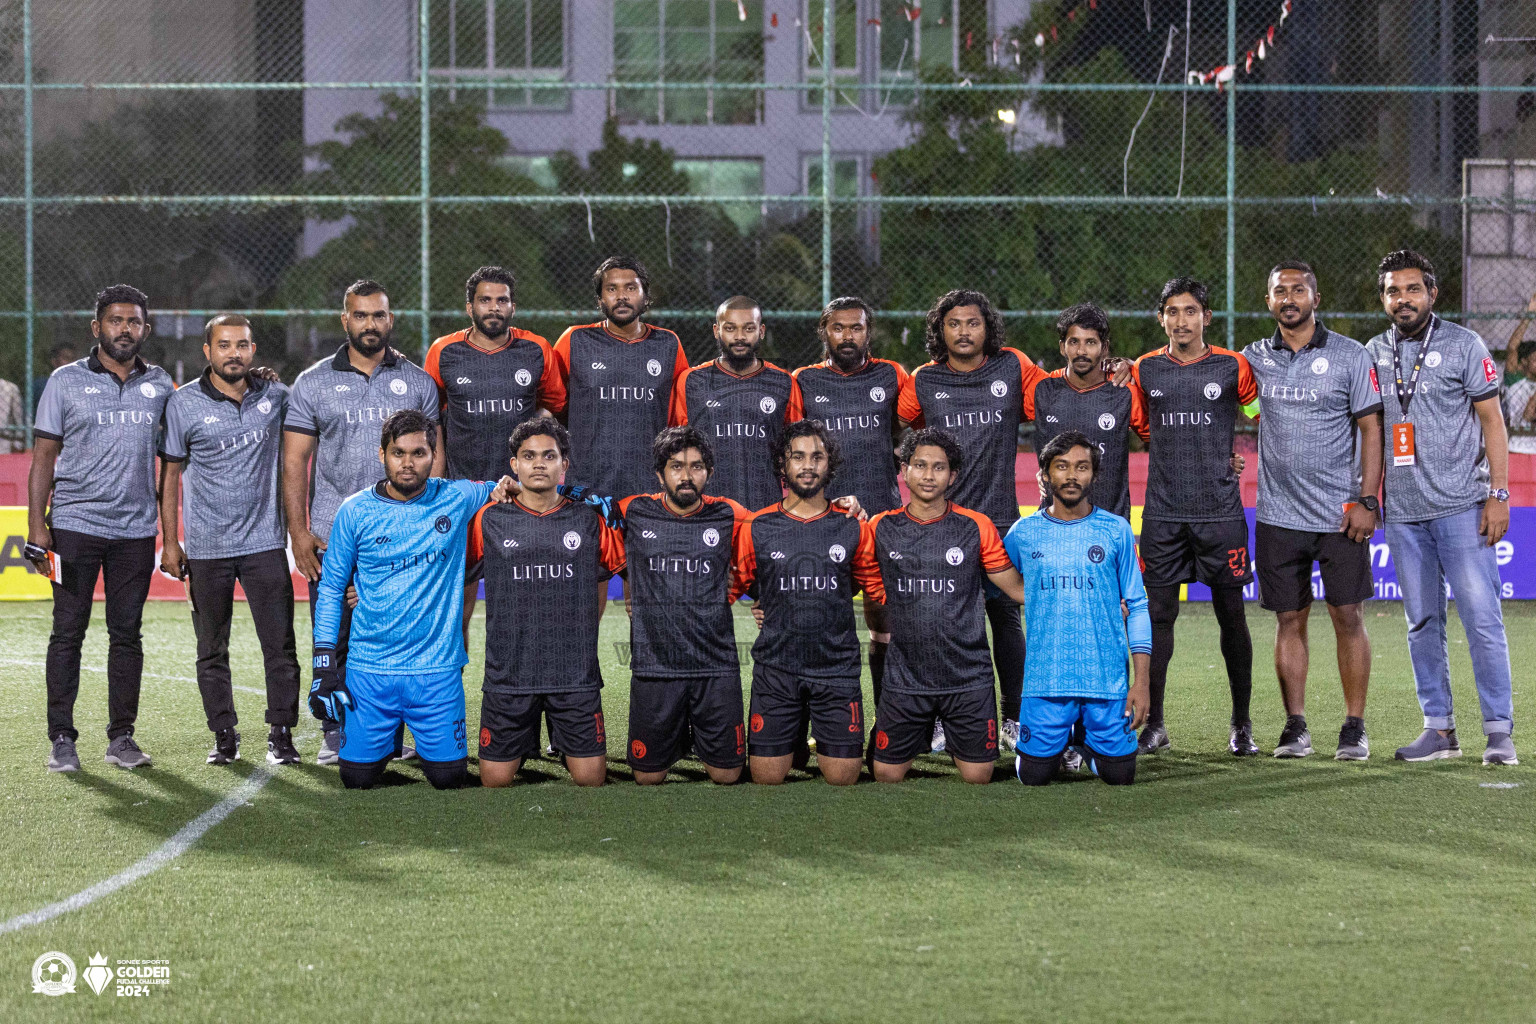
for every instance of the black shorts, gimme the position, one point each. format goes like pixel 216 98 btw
pixel 509 724
pixel 781 703
pixel 1285 560
pixel 904 725
pixel 662 711
pixel 1215 554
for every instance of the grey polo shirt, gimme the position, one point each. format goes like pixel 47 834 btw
pixel 231 504
pixel 1308 403
pixel 1450 470
pixel 104 480
pixel 344 409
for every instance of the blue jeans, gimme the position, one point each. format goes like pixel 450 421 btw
pixel 1427 556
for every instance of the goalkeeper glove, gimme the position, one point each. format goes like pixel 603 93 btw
pixel 329 697
pixel 607 506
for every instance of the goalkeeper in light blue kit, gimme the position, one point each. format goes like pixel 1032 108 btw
pixel 1079 564
pixel 402 544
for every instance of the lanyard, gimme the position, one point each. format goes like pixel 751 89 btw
pixel 1405 392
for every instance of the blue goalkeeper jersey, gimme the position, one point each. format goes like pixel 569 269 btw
pixel 1076 573
pixel 407 561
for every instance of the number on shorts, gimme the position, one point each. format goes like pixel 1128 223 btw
pixel 1237 560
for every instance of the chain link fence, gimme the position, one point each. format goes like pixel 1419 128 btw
pixel 259 155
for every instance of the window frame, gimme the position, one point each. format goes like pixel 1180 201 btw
pixel 498 80
pixel 660 75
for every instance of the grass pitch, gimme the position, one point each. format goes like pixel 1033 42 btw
pixel 1213 890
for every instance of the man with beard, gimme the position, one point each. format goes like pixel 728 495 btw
pixel 1446 502
pixel 222 440
pixel 803 564
pixel 490 377
pixel 335 410
pixel 402 543
pixel 854 396
pixel 1317 497
pixel 740 403
pixel 91 505
pixel 685 687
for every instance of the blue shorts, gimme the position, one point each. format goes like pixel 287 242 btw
pixel 1045 726
pixel 431 703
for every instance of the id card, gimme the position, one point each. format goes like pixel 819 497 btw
pixel 55 568
pixel 1402 444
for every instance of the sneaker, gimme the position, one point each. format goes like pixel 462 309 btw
pixel 551 752
pixel 1501 750
pixel 330 745
pixel 936 745
pixel 1072 759
pixel 1240 740
pixel 1430 746
pixel 1295 740
pixel 1153 738
pixel 125 753
pixel 1009 736
pixel 1353 744
pixel 63 757
pixel 407 753
pixel 280 748
pixel 226 747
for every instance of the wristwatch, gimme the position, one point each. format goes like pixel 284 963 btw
pixel 1369 503
pixel 1499 494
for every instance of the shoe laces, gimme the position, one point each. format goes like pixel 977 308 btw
pixel 1351 734
pixel 127 743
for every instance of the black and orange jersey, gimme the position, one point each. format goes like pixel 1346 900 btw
pixel 859 410
pixel 618 395
pixel 1105 414
pixel 982 408
pixel 931 575
pixel 680 586
pixel 484 395
pixel 1191 418
pixel 804 573
pixel 542 571
pixel 743 416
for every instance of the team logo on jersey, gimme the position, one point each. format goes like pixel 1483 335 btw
pixel 342 387
pixel 397 387
pixel 653 367
pixel 599 366
pixel 1107 421
pixel 572 540
pixel 837 552
pixel 768 405
pixel 1095 554
pixel 93 391
pixel 941 394
pixel 1268 361
pixel 637 749
pixel 1052 419
pixel 1432 360
pixel 954 556
pixel 777 556
pixel 711 537
pixel 824 398
pixel 210 419
pixel 523 378
pixel 443 524
pixel 463 380
pixel 510 543
pixel 264 406
pixel 999 388
pixel 1155 393
pixel 648 534
pixel 1320 365
pixel 147 390
pixel 895 555
pixel 877 394
pixel 1213 391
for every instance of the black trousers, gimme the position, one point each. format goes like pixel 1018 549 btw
pixel 126 566
pixel 269 594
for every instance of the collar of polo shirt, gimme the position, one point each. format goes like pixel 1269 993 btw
pixel 1319 339
pixel 253 386
pixel 95 365
pixel 344 362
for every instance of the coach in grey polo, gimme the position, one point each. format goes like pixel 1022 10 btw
pixel 91 501
pixel 223 448
pixel 1319 474
pixel 1445 502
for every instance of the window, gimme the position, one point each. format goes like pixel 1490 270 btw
pixel 694 41
pixel 727 178
pixel 538 169
pixel 949 34
pixel 845 176
pixel 473 40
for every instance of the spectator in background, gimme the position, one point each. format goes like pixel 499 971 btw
pixel 1520 386
pixel 13 417
pixel 61 354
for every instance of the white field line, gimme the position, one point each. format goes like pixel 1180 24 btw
pixel 146 675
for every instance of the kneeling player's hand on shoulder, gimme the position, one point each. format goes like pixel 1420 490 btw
pixel 850 506
pixel 265 373
pixel 506 489
pixel 329 698
pixel 1119 370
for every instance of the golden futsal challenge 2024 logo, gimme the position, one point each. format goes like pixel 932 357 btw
pixel 54 974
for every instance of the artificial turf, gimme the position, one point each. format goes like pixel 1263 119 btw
pixel 1213 890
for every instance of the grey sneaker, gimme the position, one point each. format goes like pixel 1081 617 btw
pixel 1430 746
pixel 63 757
pixel 330 745
pixel 125 753
pixel 1153 739
pixel 280 748
pixel 1501 750
pixel 936 745
pixel 1072 759
pixel 407 753
pixel 1295 740
pixel 226 747
pixel 1009 736
pixel 1353 743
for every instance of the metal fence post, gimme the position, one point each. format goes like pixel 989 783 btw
pixel 1231 301
pixel 28 188
pixel 827 37
pixel 425 56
